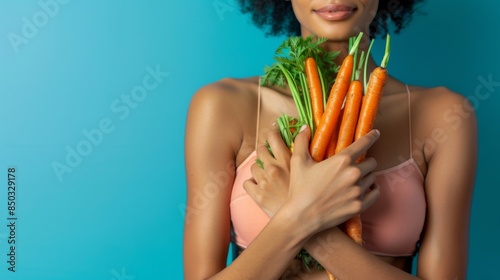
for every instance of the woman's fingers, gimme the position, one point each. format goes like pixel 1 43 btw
pixel 257 170
pixel 263 155
pixel 253 190
pixel 249 185
pixel 367 166
pixel 274 149
pixel 307 185
pixel 361 146
pixel 355 150
pixel 278 147
pixel 370 196
pixel 366 182
pixel 301 143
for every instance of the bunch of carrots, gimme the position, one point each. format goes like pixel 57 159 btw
pixel 337 117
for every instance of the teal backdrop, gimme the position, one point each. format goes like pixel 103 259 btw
pixel 94 96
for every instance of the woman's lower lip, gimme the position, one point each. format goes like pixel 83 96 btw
pixel 335 15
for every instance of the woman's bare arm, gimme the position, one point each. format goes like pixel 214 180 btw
pixel 208 157
pixel 449 186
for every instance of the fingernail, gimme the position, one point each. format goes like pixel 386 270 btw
pixel 377 131
pixel 302 128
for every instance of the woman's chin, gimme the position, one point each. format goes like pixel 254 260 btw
pixel 333 33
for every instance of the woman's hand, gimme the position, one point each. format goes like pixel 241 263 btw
pixel 269 185
pixel 327 193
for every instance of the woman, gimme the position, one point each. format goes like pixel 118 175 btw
pixel 413 190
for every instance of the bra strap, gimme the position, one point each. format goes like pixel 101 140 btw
pixel 409 119
pixel 258 115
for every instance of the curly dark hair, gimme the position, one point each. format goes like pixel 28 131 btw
pixel 277 18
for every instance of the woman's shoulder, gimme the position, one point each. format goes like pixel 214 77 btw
pixel 434 105
pixel 226 97
pixel 229 105
pixel 440 118
pixel 441 113
pixel 228 90
pixel 436 95
pixel 441 101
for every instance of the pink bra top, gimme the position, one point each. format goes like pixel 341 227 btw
pixel 391 226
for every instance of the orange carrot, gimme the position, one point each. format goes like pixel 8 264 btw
pixel 315 89
pixel 330 151
pixel 330 117
pixel 370 104
pixel 373 95
pixel 350 116
pixel 353 228
pixel 367 116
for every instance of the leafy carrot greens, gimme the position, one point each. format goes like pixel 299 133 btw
pixel 289 69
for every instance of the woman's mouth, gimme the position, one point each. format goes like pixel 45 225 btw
pixel 335 12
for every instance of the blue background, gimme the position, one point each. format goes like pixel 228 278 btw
pixel 117 212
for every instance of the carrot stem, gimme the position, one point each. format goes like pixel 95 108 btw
pixel 295 93
pixel 365 80
pixel 385 59
pixel 307 102
pixel 354 47
pixel 357 73
pixel 355 61
pixel 323 86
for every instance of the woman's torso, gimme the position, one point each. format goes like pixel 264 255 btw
pixel 392 153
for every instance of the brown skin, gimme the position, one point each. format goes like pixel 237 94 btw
pixel 306 200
